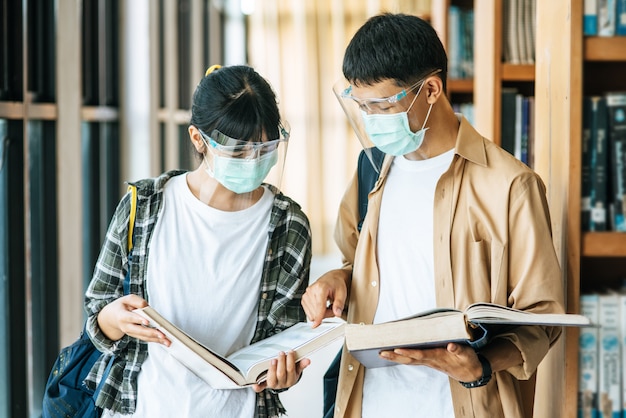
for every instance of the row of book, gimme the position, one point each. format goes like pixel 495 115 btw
pixel 518 31
pixel 517 124
pixel 603 165
pixel 460 42
pixel 602 356
pixel 604 18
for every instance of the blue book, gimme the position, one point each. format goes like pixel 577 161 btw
pixel 616 131
pixel 596 120
pixel 588 359
pixel 606 17
pixel 620 18
pixel 590 18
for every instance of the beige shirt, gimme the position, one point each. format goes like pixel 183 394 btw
pixel 492 242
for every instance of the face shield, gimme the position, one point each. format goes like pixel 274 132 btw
pixel 355 108
pixel 241 165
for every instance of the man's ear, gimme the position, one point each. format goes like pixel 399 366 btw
pixel 434 89
pixel 196 139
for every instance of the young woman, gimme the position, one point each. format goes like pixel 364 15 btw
pixel 222 255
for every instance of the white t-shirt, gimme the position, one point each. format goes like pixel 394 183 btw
pixel 204 274
pixel 406 267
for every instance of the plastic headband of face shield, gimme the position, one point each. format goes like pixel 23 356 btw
pixel 384 104
pixel 226 146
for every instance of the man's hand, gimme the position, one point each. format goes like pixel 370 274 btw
pixel 326 297
pixel 457 361
pixel 283 373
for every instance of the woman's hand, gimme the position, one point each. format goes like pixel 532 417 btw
pixel 283 373
pixel 118 318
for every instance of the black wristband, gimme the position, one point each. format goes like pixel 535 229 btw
pixel 485 378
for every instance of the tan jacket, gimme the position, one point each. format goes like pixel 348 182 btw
pixel 492 242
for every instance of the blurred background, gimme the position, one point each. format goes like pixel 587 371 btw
pixel 95 93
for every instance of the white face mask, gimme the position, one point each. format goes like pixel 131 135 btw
pixel 391 132
pixel 239 174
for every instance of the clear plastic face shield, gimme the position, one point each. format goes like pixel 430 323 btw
pixel 355 107
pixel 241 165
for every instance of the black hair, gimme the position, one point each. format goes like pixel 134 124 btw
pixel 236 101
pixel 398 47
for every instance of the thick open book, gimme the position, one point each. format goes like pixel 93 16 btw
pixel 437 327
pixel 248 365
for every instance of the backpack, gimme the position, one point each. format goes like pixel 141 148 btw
pixel 65 393
pixel 367 177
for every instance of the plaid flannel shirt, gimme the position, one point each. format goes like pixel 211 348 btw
pixel 285 278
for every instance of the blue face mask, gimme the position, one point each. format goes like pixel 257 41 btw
pixel 242 175
pixel 391 132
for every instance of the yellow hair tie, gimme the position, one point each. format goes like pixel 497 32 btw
pixel 211 69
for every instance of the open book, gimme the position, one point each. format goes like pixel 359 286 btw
pixel 437 327
pixel 248 365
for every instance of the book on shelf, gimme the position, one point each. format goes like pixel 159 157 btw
pixel 595 159
pixel 588 358
pixel 622 307
pixel 473 326
pixel 510 45
pixel 620 18
pixel 460 42
pixel 590 18
pixel 518 31
pixel 616 132
pixel 606 17
pixel 507 124
pixel 248 365
pixel 519 108
pixel 610 370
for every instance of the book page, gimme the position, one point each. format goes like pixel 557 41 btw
pixel 485 313
pixel 287 340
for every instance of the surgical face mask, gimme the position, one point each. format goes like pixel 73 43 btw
pixel 391 133
pixel 239 174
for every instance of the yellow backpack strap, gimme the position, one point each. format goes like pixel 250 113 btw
pixel 133 211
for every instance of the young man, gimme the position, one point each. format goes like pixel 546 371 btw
pixel 452 220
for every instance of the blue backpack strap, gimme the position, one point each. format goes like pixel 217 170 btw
pixel 367 177
pixel 131 228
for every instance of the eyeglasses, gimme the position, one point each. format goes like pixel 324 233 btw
pixel 223 145
pixel 385 104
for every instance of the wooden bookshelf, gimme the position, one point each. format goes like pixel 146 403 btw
pixel 597 48
pixel 465 85
pixel 568 67
pixel 513 72
pixel 604 244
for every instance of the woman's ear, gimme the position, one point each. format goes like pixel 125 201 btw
pixel 196 139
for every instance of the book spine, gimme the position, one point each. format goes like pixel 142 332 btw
pixel 454 48
pixel 588 359
pixel 599 165
pixel 606 17
pixel 620 18
pixel 585 188
pixel 590 18
pixel 616 109
pixel 524 140
pixel 517 151
pixel 507 128
pixel 610 392
pixel 622 322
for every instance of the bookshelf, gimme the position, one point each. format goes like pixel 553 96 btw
pixel 458 88
pixel 567 67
